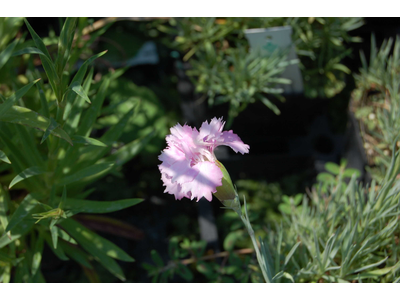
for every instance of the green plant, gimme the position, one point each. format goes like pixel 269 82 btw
pixel 376 104
pixel 322 44
pixel 222 69
pixel 239 78
pixel 50 155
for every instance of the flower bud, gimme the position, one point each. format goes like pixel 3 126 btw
pixel 226 193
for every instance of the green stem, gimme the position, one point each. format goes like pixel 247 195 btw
pixel 250 230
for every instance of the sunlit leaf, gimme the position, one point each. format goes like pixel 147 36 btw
pixel 37 254
pixel 98 207
pixel 4 157
pixel 77 139
pixel 32 171
pixel 6 53
pixel 87 173
pixel 78 89
pixel 25 116
pixel 7 105
pixel 23 210
pixel 90 240
pixel 52 125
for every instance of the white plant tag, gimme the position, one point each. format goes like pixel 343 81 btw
pixel 266 40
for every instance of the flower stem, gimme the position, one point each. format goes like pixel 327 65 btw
pixel 246 222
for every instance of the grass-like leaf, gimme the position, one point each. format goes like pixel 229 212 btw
pixel 47 63
pixel 87 173
pixel 99 207
pixel 23 210
pixel 65 43
pixel 82 70
pixel 127 152
pixel 4 200
pixel 6 106
pixel 37 254
pixel 19 230
pixel 77 139
pixel 77 254
pixel 58 251
pixel 78 89
pixel 25 116
pixel 4 157
pixel 6 54
pixel 90 240
pixel 52 125
pixel 32 171
pixel 88 120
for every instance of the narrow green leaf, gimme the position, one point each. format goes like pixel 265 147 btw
pixel 82 70
pixel 28 50
pixel 43 101
pixel 270 105
pixel 59 251
pixel 74 105
pixel 6 54
pixel 9 259
pixel 24 116
pixel 369 266
pixel 88 120
pixel 78 89
pixel 23 210
pixel 32 171
pixel 99 207
pixel 6 106
pixel 65 43
pixel 291 252
pixel 87 173
pixel 29 146
pixel 54 232
pixel 77 254
pixel 46 60
pixel 37 254
pixel 92 242
pixel 52 125
pixel 115 131
pixel 19 230
pixel 4 200
pixel 63 198
pixel 78 139
pixel 65 236
pixel 4 157
pixel 127 152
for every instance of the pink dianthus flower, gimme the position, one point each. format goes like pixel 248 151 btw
pixel 189 167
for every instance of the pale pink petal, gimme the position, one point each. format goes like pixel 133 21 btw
pixel 183 138
pixel 205 183
pixel 228 138
pixel 180 171
pixel 212 130
pixel 171 155
pixel 172 188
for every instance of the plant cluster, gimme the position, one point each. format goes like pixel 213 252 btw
pixel 376 103
pixel 223 69
pixel 53 147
